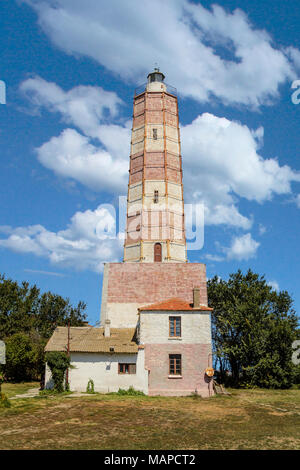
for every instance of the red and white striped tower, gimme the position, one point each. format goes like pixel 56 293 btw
pixel 155 208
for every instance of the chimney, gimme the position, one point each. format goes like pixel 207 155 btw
pixel 196 297
pixel 107 328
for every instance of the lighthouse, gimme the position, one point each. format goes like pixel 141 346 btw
pixel 155 229
pixel 155 331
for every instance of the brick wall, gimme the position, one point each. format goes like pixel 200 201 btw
pixel 194 363
pixel 145 283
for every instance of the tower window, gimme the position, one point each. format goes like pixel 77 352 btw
pixel 157 252
pixel 155 199
pixel 154 134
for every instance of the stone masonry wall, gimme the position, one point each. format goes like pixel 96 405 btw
pixel 127 286
pixel 146 283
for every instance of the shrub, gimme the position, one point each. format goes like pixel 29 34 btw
pixel 90 387
pixel 58 363
pixel 4 401
pixel 131 391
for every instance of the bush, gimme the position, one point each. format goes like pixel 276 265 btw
pixel 131 391
pixel 90 388
pixel 4 401
pixel 58 363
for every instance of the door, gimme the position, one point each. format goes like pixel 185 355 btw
pixel 157 252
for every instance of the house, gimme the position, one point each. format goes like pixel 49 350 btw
pixel 166 354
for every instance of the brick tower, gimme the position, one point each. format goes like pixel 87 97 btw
pixel 155 332
pixel 155 265
pixel 155 209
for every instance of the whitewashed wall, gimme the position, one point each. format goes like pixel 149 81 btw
pixel 195 327
pixel 103 370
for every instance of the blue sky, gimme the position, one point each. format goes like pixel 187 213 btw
pixel 70 69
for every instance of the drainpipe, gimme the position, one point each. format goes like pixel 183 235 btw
pixel 68 353
pixel 196 297
pixel 209 364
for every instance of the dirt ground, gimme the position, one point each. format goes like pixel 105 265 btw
pixel 244 420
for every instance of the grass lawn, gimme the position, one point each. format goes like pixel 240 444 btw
pixel 11 389
pixel 248 419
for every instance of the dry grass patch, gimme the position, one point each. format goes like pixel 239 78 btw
pixel 111 422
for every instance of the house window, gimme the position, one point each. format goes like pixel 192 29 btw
pixel 155 199
pixel 154 134
pixel 127 368
pixel 174 327
pixel 175 364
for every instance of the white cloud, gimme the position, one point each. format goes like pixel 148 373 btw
pixel 83 106
pixel 102 167
pixel 71 155
pixel 262 229
pixel 220 157
pixel 221 161
pixel 87 242
pixel 46 273
pixel 216 258
pixel 274 285
pixel 242 248
pixel 203 52
pixel 294 55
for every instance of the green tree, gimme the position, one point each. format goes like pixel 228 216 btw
pixel 53 310
pixel 253 330
pixel 18 305
pixel 24 311
pixel 22 358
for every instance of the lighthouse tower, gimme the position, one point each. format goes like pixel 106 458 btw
pixel 155 209
pixel 154 266
pixel 155 332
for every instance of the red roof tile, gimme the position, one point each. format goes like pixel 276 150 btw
pixel 174 304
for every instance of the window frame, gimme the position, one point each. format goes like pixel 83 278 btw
pixel 131 368
pixel 175 366
pixel 175 318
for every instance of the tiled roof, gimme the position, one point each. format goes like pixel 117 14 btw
pixel 174 304
pixel 89 339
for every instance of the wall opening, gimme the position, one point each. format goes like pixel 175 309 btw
pixel 157 252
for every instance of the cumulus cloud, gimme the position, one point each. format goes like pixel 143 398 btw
pixel 221 157
pixel 83 106
pixel 71 155
pixel 202 51
pixel 88 241
pixel 102 167
pixel 221 162
pixel 242 248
